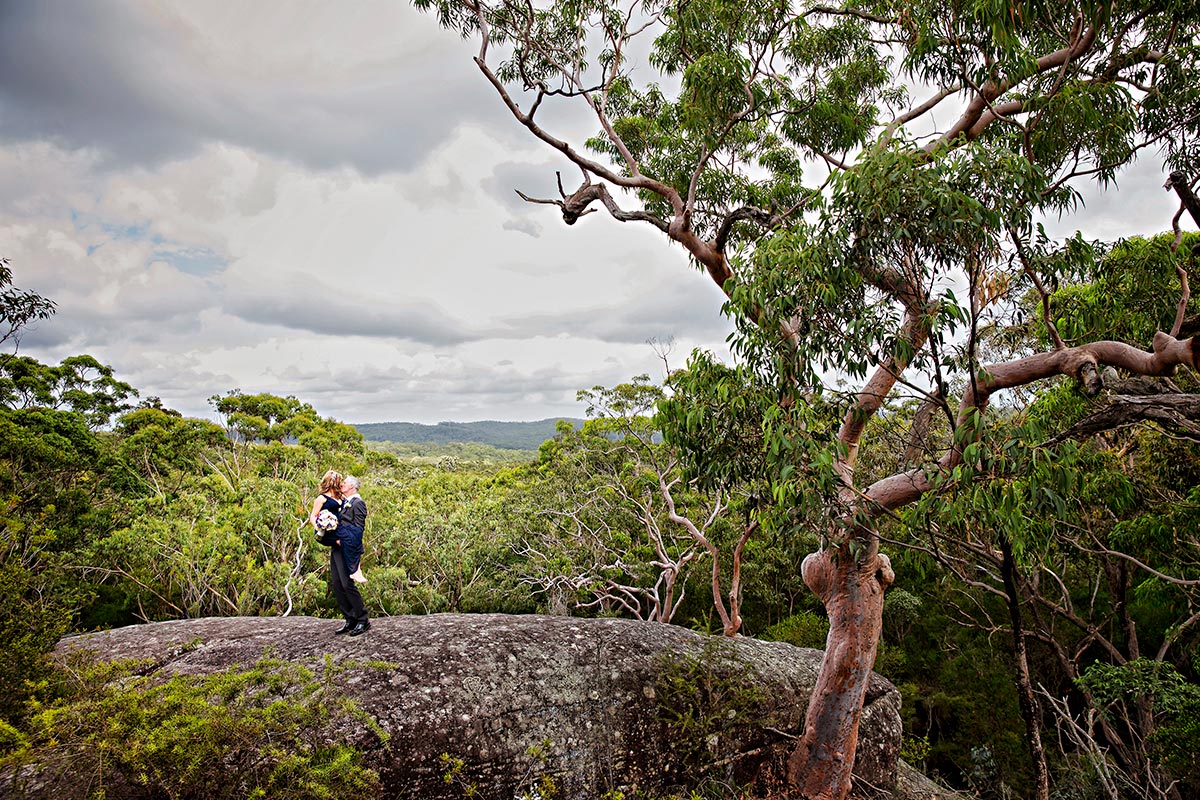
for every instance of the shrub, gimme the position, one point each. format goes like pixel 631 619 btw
pixel 265 731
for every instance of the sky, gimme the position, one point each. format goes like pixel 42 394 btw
pixel 317 199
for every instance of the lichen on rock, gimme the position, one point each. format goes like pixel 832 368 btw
pixel 504 702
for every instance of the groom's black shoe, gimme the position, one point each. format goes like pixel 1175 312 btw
pixel 360 628
pixel 347 628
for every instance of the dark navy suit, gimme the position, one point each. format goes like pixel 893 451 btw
pixel 344 558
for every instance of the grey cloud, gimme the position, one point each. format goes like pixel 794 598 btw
pixel 451 191
pixel 535 180
pixel 81 328
pixel 136 85
pixel 160 301
pixel 354 313
pixel 458 391
pixel 1139 206
pixel 688 307
pixel 482 393
pixel 528 268
pixel 526 226
pixel 50 335
pixel 181 383
pixel 58 82
pixel 452 377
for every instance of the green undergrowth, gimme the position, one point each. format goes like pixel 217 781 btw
pixel 264 731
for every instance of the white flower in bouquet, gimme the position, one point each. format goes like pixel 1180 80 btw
pixel 327 520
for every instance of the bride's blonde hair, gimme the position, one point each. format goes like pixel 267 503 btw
pixel 331 483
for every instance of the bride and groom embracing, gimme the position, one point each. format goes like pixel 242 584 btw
pixel 339 515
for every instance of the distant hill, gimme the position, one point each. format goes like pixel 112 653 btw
pixel 503 435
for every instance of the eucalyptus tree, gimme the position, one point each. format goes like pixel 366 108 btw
pixel 80 384
pixel 864 182
pixel 19 308
pixel 603 532
pixel 1083 524
pixel 621 526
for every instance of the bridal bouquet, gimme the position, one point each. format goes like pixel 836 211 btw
pixel 327 520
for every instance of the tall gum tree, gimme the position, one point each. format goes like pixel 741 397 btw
pixel 870 282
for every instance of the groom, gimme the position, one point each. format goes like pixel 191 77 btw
pixel 351 520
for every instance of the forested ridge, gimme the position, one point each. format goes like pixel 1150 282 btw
pixel 117 510
pixel 502 435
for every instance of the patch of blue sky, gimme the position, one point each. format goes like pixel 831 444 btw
pixel 84 221
pixel 199 261
pixel 139 232
pixel 92 224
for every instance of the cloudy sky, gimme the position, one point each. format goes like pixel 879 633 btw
pixel 316 199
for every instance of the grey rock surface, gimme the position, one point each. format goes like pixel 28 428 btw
pixel 911 784
pixel 596 704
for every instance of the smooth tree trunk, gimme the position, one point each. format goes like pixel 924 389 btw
pixel 852 592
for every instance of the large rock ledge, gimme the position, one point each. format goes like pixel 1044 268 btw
pixel 492 689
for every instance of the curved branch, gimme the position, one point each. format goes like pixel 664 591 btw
pixel 1137 563
pixel 918 111
pixel 968 123
pixel 1179 182
pixel 915 332
pixel 1177 413
pixel 1000 111
pixel 762 217
pixel 1027 268
pixel 1075 362
pixel 577 205
pixel 729 623
pixel 1173 635
pixel 679 228
pixel 637 181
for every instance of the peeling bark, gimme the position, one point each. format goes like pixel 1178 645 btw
pixel 1178 414
pixel 820 767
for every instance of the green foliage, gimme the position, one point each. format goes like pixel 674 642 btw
pixel 439 539
pixel 454 775
pixel 1127 690
pixel 162 447
pixel 452 455
pixel 37 611
pixel 60 487
pixel 80 384
pixel 915 749
pixel 713 419
pixel 1121 295
pixel 596 533
pixel 805 629
pixel 957 695
pixel 270 730
pixel 901 610
pixel 19 307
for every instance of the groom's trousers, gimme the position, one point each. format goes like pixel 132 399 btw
pixel 345 591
